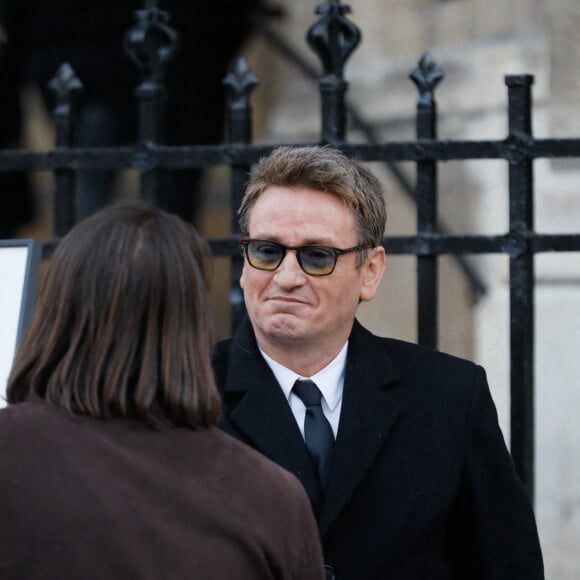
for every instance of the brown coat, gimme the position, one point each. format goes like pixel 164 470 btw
pixel 87 498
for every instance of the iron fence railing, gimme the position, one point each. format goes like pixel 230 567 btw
pixel 151 43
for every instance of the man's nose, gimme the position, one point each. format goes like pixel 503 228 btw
pixel 289 273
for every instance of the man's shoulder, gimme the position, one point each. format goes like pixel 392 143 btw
pixel 409 359
pixel 239 456
pixel 418 352
pixel 222 348
pixel 221 360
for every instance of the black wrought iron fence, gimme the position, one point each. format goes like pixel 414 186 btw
pixel 333 37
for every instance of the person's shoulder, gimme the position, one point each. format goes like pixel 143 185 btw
pixel 402 350
pixel 234 352
pixel 416 362
pixel 221 361
pixel 242 453
pixel 27 422
pixel 248 464
pixel 418 352
pixel 268 502
pixel 221 351
pixel 26 415
pixel 223 345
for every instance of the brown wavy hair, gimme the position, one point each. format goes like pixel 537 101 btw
pixel 123 325
pixel 322 168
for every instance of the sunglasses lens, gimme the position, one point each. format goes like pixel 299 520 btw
pixel 314 260
pixel 264 255
pixel 317 261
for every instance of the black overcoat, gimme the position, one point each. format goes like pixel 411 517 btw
pixel 422 486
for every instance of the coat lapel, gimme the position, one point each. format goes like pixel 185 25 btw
pixel 257 409
pixel 262 414
pixel 368 414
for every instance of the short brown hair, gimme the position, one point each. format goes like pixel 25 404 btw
pixel 327 169
pixel 122 326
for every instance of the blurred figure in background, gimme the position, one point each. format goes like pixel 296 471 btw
pixel 110 462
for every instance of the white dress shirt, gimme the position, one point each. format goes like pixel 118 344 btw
pixel 330 381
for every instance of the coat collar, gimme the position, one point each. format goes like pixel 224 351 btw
pixel 261 412
pixel 264 417
pixel 367 416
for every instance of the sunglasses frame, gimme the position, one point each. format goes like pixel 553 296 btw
pixel 336 252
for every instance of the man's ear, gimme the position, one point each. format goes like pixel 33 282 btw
pixel 372 273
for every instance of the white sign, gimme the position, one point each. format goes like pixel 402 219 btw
pixel 19 263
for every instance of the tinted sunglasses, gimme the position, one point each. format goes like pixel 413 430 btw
pixel 314 260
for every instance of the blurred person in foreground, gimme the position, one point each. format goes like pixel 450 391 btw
pixel 110 462
pixel 397 445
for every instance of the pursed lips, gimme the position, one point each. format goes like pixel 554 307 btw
pixel 286 301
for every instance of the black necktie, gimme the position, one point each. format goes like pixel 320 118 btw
pixel 318 434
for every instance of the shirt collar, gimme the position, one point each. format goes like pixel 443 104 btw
pixel 330 379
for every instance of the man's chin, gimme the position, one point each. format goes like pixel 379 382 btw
pixel 285 328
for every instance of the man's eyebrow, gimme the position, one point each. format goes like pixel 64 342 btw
pixel 306 242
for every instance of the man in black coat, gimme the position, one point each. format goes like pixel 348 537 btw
pixel 406 466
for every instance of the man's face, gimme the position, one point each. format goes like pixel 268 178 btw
pixel 288 306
